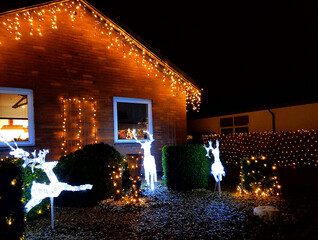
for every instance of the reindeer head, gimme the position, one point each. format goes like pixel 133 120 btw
pixel 215 151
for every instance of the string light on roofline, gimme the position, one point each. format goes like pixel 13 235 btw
pixel 115 39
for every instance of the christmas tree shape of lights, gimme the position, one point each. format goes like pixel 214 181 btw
pixel 40 191
pixel 149 160
pixel 217 168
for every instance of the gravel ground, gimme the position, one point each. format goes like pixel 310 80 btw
pixel 196 214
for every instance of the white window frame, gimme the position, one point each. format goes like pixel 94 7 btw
pixel 29 93
pixel 131 100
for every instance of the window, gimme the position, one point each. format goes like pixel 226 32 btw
pixel 237 124
pixel 16 116
pixel 129 114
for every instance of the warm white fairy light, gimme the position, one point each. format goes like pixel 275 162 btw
pixel 285 148
pixel 114 37
pixel 76 105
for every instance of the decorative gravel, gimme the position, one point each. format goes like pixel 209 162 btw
pixel 196 214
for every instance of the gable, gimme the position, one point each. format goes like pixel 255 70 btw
pixel 30 21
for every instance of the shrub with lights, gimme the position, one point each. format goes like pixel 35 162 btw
pixel 258 177
pixel 99 164
pixel 39 176
pixel 11 207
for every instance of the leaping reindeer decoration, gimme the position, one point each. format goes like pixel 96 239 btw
pixel 149 160
pixel 217 168
pixel 39 191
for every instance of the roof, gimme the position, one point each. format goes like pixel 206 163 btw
pixel 178 80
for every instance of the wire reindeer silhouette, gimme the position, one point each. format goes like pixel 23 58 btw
pixel 39 191
pixel 149 160
pixel 217 168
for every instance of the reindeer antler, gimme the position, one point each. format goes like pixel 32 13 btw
pixel 150 136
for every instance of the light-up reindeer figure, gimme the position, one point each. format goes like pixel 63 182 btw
pixel 217 168
pixel 149 160
pixel 39 191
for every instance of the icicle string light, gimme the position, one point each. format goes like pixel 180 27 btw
pixel 285 148
pixel 114 36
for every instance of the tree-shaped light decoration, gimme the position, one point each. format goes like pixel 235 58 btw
pixel 217 169
pixel 39 191
pixel 149 160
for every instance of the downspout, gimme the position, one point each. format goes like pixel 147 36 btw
pixel 273 120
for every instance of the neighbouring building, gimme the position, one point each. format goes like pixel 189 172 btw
pixel 288 118
pixel 70 76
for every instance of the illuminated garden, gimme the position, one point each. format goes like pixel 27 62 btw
pixel 95 133
pixel 187 202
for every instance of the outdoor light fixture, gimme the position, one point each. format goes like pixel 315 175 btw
pixel 217 169
pixel 149 160
pixel 39 191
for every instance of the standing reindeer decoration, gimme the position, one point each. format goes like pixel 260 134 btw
pixel 149 160
pixel 39 191
pixel 217 169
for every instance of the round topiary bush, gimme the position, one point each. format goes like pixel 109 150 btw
pixel 91 165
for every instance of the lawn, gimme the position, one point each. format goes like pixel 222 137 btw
pixel 195 214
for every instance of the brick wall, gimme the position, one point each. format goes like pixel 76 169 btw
pixel 74 61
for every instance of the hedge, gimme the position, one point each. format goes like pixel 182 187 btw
pixel 11 207
pixel 185 167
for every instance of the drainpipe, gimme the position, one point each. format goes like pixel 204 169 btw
pixel 273 120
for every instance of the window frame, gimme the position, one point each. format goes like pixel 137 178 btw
pixel 115 113
pixel 234 126
pixel 29 93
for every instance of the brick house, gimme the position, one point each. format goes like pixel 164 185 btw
pixel 70 76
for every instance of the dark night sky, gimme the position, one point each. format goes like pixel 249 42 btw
pixel 244 54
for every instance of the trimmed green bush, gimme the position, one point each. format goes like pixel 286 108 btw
pixel 91 165
pixel 11 207
pixel 185 167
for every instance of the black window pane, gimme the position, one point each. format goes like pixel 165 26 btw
pixel 226 122
pixel 241 130
pixel 241 120
pixel 227 131
pixel 132 116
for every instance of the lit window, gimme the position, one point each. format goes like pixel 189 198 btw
pixel 16 116
pixel 129 114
